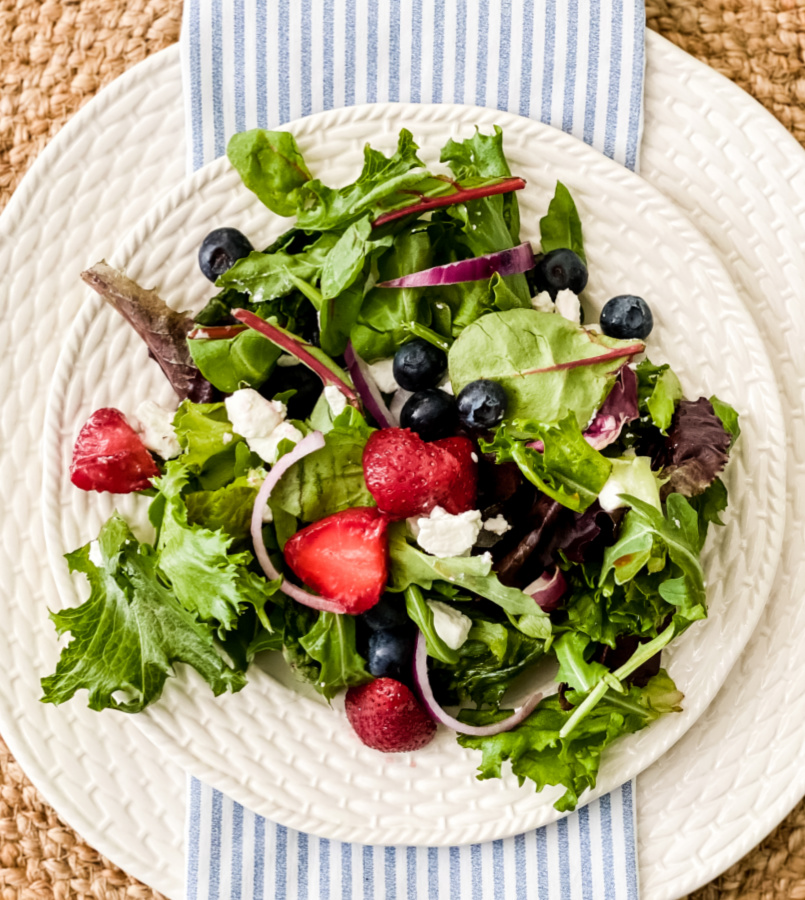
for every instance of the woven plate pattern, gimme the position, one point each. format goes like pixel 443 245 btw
pixel 294 760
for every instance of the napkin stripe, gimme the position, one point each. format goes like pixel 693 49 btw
pixel 250 859
pixel 415 52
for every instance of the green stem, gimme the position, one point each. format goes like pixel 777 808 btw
pixel 643 654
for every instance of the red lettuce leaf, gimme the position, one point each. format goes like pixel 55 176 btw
pixel 619 408
pixel 695 450
pixel 163 329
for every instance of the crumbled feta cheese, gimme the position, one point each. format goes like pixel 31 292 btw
pixel 567 305
pixel 156 429
pixel 226 437
pixel 441 534
pixel 256 419
pixel 474 456
pixel 497 525
pixel 398 401
pixel 335 399
pixel 543 303
pixel 446 386
pixel 413 526
pixel 286 360
pixel 95 555
pixel 268 516
pixel 269 446
pixel 452 626
pixel 382 372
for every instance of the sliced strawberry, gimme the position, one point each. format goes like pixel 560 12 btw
pixel 110 456
pixel 387 716
pixel 464 490
pixel 344 557
pixel 408 477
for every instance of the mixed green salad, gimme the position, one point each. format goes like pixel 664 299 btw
pixel 402 461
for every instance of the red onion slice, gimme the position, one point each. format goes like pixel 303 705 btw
pixel 422 683
pixel 548 589
pixel 367 388
pixel 314 441
pixel 505 262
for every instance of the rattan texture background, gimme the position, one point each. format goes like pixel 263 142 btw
pixel 54 56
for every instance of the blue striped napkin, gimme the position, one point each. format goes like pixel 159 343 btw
pixel 574 64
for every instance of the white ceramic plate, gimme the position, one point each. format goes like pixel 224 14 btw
pixel 724 785
pixel 287 756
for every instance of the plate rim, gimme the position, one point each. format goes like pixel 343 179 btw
pixel 310 820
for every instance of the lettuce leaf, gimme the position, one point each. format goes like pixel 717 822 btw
pixel 568 470
pixel 658 391
pixel 409 566
pixel 247 359
pixel 548 366
pixel 207 579
pixel 536 750
pixel 131 631
pixel 560 228
pixel 331 479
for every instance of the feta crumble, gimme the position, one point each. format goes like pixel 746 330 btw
pixel 567 305
pixel 543 303
pixel 335 399
pixel 257 419
pixel 382 372
pixel 497 525
pixel 452 626
pixel 156 429
pixel 443 535
pixel 283 432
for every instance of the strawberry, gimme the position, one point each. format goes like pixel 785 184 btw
pixel 464 490
pixel 110 456
pixel 387 716
pixel 408 477
pixel 344 557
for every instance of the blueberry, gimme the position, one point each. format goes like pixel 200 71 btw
pixel 389 653
pixel 560 270
pixel 626 317
pixel 419 365
pixel 220 250
pixel 389 612
pixel 481 404
pixel 431 414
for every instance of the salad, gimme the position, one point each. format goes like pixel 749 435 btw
pixel 402 459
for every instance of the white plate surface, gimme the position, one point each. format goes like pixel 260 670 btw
pixel 290 758
pixel 699 809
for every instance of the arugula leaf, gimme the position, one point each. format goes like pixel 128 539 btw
pixel 230 363
pixel 709 505
pixel 547 365
pixel 422 615
pixel 270 164
pixel 728 417
pixel 127 636
pixel 575 667
pixel 493 655
pixel 206 578
pixel 569 470
pixel 409 566
pixel 346 260
pixel 320 649
pixel 561 227
pixel 268 276
pixel 381 326
pixel 678 533
pixel 490 223
pixel 331 643
pixel 331 479
pixel 658 391
pixel 537 751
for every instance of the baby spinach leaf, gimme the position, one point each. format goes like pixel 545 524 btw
pixel 331 644
pixel 421 614
pixel 658 391
pixel 230 363
pixel 270 165
pixel 547 365
pixel 568 469
pixel 560 228
pixel 131 631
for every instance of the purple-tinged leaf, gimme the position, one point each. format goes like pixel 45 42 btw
pixel 619 408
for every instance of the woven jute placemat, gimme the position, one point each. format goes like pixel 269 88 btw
pixel 54 56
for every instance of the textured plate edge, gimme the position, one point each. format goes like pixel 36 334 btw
pixel 223 780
